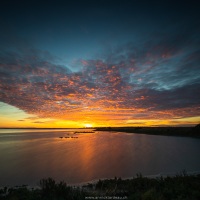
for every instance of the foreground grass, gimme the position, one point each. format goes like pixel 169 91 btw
pixel 180 187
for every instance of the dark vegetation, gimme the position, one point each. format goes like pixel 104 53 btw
pixel 168 131
pixel 180 187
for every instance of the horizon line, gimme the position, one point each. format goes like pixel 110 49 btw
pixel 164 126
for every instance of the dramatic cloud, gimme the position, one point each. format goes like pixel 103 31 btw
pixel 67 64
pixel 158 79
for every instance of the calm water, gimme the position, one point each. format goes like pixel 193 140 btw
pixel 26 156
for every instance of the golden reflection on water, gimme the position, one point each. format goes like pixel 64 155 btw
pixel 87 145
pixel 28 158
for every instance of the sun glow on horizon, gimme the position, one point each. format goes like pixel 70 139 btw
pixel 88 125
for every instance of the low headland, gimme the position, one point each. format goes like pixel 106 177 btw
pixel 179 187
pixel 166 131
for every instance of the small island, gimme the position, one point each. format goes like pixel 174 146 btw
pixel 84 132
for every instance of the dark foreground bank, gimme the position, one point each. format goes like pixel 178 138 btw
pixel 180 187
pixel 168 131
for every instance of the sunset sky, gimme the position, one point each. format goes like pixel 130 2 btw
pixel 99 63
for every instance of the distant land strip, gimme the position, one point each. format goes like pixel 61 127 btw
pixel 165 131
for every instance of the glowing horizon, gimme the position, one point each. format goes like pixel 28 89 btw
pixel 16 118
pixel 128 65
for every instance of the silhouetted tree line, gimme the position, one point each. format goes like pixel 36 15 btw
pixel 180 187
pixel 168 131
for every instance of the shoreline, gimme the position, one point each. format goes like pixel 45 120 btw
pixel 162 131
pixel 192 131
pixel 139 187
pixel 95 181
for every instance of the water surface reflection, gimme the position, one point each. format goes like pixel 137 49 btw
pixel 92 156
